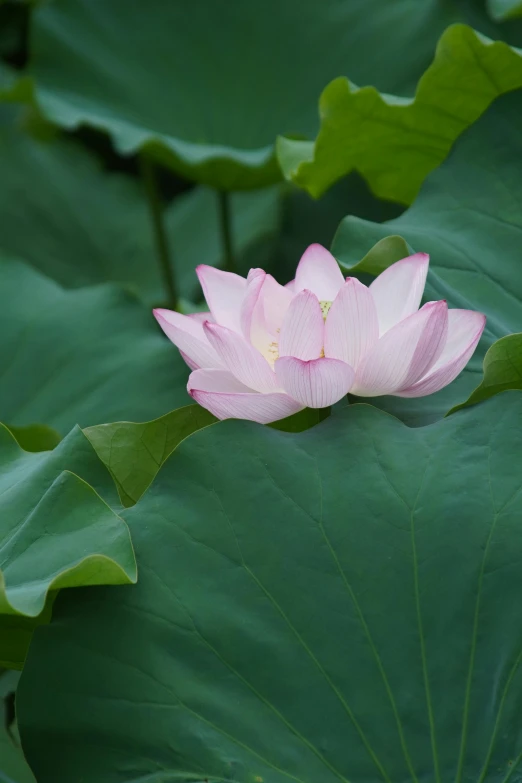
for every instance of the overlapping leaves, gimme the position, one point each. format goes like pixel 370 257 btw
pixel 133 453
pixel 80 225
pixel 315 606
pixel 56 531
pixel 331 558
pixel 211 105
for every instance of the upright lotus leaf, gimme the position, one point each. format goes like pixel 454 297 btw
pixel 133 453
pixel 206 87
pixel 13 766
pixel 468 217
pixel 55 531
pixel 339 604
pixel 81 225
pixel 396 142
pixel 502 370
pixel 84 356
pixel 383 254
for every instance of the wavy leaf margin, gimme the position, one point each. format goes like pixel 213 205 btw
pixel 395 142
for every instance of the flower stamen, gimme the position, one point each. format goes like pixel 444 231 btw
pixel 273 353
pixel 325 307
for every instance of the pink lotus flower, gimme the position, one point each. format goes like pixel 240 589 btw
pixel 265 351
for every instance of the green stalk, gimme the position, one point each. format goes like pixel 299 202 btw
pixel 150 182
pixel 226 231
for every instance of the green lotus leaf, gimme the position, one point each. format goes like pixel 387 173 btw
pixel 304 420
pixel 396 142
pixel 502 370
pixel 133 453
pixel 467 217
pixel 55 531
pixel 80 225
pixel 16 632
pixel 35 437
pixel 339 604
pixel 85 356
pixel 211 105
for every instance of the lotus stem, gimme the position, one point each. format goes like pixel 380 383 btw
pixel 226 231
pixel 150 182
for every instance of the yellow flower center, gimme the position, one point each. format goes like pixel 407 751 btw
pixel 273 353
pixel 325 307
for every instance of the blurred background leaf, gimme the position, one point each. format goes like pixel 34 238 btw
pixel 81 225
pixel 208 87
pixel 81 357
pixel 504 9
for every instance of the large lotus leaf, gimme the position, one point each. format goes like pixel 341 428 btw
pixel 134 452
pixel 85 356
pixel 80 225
pixel 206 87
pixel 55 531
pixel 340 604
pixel 13 767
pixel 395 142
pixel 468 217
